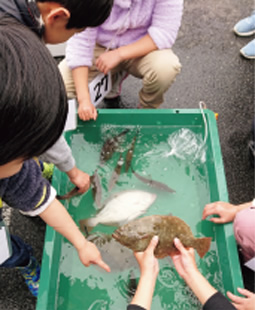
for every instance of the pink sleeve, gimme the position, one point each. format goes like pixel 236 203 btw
pixel 244 229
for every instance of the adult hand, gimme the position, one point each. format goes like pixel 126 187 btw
pixel 185 265
pixel 149 270
pixel 87 111
pixel 243 303
pixel 224 210
pixel 147 261
pixel 80 179
pixel 184 262
pixel 108 61
pixel 89 254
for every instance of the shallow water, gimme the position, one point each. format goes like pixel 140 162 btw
pixel 92 288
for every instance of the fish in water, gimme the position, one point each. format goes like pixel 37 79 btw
pixel 96 188
pixel 71 194
pixel 123 207
pixel 153 183
pixel 137 234
pixel 130 153
pixel 110 145
pixel 116 173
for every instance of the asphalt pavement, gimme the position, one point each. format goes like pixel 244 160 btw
pixel 212 71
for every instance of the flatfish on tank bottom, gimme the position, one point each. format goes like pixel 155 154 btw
pixel 137 234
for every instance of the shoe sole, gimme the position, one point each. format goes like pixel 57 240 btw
pixel 247 56
pixel 244 34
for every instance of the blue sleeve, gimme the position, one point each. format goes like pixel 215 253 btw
pixel 27 190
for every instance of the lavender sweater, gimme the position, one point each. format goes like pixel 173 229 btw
pixel 129 21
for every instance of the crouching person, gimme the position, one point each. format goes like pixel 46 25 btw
pixel 33 110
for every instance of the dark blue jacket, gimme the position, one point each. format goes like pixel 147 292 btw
pixel 27 190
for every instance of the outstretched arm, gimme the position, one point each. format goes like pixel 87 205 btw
pixel 149 270
pixel 57 217
pixel 185 265
pixel 86 109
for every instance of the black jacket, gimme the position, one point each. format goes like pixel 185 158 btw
pixel 215 302
pixel 25 11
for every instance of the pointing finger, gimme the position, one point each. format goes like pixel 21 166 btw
pixel 103 265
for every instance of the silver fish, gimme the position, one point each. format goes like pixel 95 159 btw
pixel 153 183
pixel 121 208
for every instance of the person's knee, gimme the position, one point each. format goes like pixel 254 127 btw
pixel 163 70
pixel 244 231
pixel 67 78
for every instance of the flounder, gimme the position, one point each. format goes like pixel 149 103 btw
pixel 137 234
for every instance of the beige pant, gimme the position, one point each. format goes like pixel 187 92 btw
pixel 157 70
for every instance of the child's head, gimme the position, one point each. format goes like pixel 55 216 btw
pixel 33 103
pixel 62 18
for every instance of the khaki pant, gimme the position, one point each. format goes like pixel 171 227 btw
pixel 157 70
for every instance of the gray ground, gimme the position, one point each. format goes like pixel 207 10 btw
pixel 213 71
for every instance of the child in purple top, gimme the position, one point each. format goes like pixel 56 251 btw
pixel 137 38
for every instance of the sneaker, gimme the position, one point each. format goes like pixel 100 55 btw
pixel 248 51
pixel 31 275
pixel 246 26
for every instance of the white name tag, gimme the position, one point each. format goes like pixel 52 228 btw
pixel 5 244
pixel 100 87
pixel 71 121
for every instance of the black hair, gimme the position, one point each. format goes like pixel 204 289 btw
pixel 33 102
pixel 85 13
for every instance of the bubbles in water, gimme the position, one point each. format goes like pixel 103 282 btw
pixel 186 145
pixel 167 277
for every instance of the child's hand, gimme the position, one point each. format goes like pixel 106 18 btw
pixel 89 254
pixel 147 261
pixel 243 303
pixel 184 262
pixel 108 60
pixel 87 111
pixel 80 179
